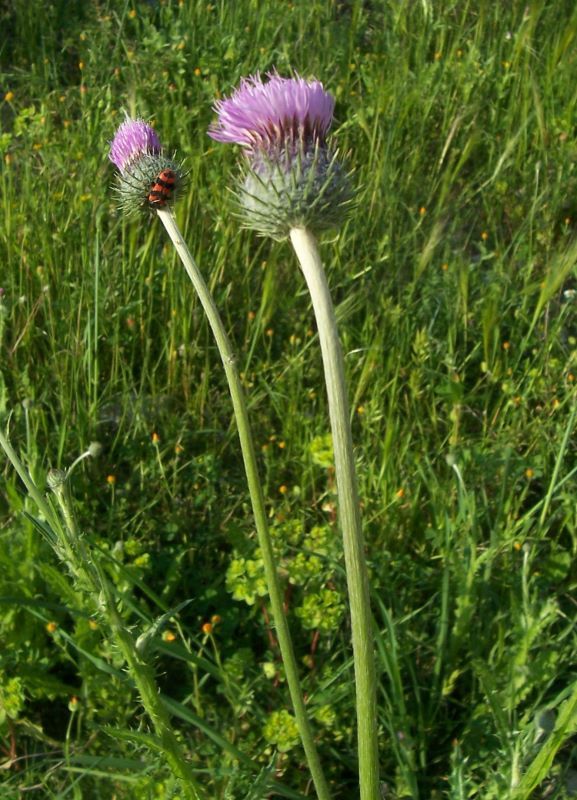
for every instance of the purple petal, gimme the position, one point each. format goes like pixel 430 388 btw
pixel 133 138
pixel 269 113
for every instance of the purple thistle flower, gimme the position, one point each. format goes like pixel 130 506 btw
pixel 274 113
pixel 133 139
pixel 291 177
pixel 146 177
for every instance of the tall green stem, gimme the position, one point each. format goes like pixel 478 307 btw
pixel 31 487
pixel 306 249
pixel 254 485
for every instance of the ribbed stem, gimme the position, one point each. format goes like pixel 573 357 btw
pixel 257 499
pixel 306 249
pixel 31 487
pixel 144 679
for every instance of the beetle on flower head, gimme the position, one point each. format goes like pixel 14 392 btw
pixel 146 177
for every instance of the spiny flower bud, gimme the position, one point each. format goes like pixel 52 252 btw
pixel 146 177
pixel 292 178
pixel 55 479
pixel 94 449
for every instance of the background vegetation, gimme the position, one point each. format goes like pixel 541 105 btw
pixel 454 280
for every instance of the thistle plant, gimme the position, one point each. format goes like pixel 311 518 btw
pixel 59 527
pixel 292 185
pixel 146 179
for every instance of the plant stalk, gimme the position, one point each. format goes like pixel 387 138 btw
pixel 141 672
pixel 306 250
pixel 257 499
pixel 144 679
pixel 69 545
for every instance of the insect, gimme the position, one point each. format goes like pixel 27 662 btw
pixel 161 189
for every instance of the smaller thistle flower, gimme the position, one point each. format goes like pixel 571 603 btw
pixel 133 139
pixel 146 177
pixel 292 178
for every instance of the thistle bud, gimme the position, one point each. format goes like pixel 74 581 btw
pixel 94 449
pixel 55 479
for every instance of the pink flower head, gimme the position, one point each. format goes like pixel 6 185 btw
pixel 273 114
pixel 133 139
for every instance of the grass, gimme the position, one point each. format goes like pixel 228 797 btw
pixel 455 291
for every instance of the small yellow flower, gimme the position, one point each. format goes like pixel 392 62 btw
pixel 281 445
pixel 81 65
pixel 400 493
pixel 73 704
pixel 155 438
pixel 484 236
pixel 506 64
pixel 207 628
pixel 517 546
pixel 567 220
pixel 51 626
pixel 555 403
pixel 438 55
pixel 169 636
pixel 93 624
pixel 9 96
pixel 506 345
pixel 283 489
pixel 360 410
pixel 178 449
pixel 570 377
pixel 269 332
pixel 422 211
pixel 251 316
pixel 444 267
pixel 111 480
pixel 132 13
pixel 216 619
pixel 198 72
pixel 529 473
